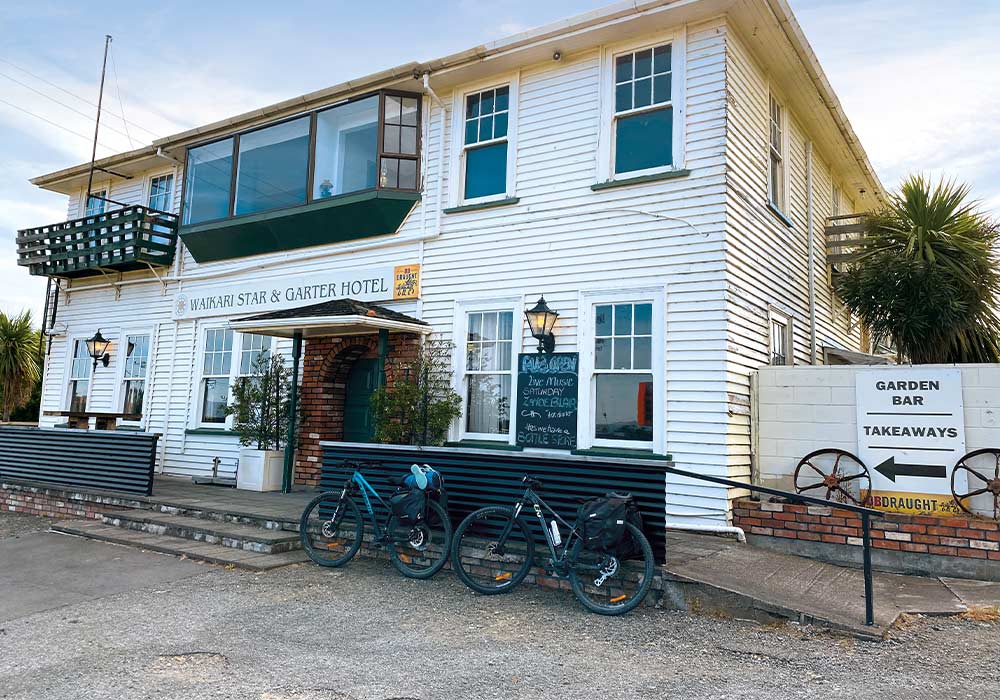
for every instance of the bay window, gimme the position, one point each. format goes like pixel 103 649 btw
pixel 346 148
pixel 489 365
pixel 208 182
pixel 623 372
pixel 643 118
pixel 271 167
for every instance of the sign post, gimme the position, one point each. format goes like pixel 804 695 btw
pixel 911 432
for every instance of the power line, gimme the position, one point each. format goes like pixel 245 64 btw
pixel 49 121
pixel 121 105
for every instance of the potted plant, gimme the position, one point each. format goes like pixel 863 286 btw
pixel 259 408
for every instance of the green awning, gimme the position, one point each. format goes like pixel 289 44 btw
pixel 343 218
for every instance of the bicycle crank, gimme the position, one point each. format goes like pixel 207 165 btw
pixel 609 570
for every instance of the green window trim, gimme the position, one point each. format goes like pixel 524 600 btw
pixel 505 202
pixel 221 432
pixel 485 445
pixel 639 180
pixel 622 452
pixel 780 214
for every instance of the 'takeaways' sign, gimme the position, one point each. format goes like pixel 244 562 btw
pixel 547 388
pixel 911 432
pixel 382 283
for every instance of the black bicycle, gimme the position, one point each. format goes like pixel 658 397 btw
pixel 493 550
pixel 332 529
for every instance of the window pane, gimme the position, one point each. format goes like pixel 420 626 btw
pixel 208 182
pixel 489 356
pixel 407 174
pixel 488 409
pixel 346 148
pixel 643 349
pixel 472 131
pixel 623 97
pixel 272 167
pixel 473 357
pixel 390 140
pixel 216 397
pixel 500 125
pixel 409 116
pixel 644 141
pixel 506 328
pixel 643 63
pixel 486 170
pixel 503 355
pixel 408 140
pixel 486 102
pixel 490 325
pixel 161 191
pixel 643 92
pixel 393 109
pixel 503 98
pixel 472 106
pixel 389 174
pixel 623 68
pixel 623 353
pixel 661 59
pixel 78 395
pixel 475 327
pixel 602 353
pixel 643 319
pixel 134 392
pixel 624 409
pixel 661 88
pixel 623 319
pixel 486 128
pixel 602 319
pixel 95 203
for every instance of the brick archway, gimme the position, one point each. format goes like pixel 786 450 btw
pixel 326 362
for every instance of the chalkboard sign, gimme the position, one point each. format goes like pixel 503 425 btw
pixel 547 389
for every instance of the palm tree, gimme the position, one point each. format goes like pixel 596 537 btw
pixel 925 275
pixel 18 361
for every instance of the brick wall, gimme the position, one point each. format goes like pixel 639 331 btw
pixel 326 363
pixel 35 499
pixel 970 538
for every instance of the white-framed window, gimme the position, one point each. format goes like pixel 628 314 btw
pixel 622 369
pixel 225 357
pixel 161 192
pixel 485 125
pixel 95 203
pixel 642 131
pixel 489 377
pixel 779 339
pixel 252 346
pixel 134 371
pixel 81 368
pixel 836 207
pixel 776 178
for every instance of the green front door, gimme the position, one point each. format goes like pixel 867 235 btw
pixel 361 382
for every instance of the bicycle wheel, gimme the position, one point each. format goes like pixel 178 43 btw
pixel 331 529
pixel 608 586
pixel 483 564
pixel 419 551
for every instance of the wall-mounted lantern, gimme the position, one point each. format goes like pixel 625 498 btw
pixel 541 321
pixel 97 347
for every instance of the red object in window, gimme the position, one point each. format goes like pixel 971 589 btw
pixel 644 407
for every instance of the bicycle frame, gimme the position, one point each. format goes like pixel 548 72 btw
pixel 559 553
pixel 359 483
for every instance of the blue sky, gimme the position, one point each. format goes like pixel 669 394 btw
pixel 918 79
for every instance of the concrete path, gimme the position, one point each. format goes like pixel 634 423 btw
pixel 812 590
pixel 44 570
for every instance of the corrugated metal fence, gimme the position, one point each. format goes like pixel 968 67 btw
pixel 476 478
pixel 104 460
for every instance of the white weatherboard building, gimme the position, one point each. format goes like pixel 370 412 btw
pixel 661 171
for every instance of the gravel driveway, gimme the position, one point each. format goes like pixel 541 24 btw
pixel 16 524
pixel 365 632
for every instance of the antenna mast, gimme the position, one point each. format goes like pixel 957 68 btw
pixel 97 122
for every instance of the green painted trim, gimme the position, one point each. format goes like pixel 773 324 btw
pixel 333 220
pixel 482 205
pixel 211 431
pixel 625 182
pixel 780 214
pixel 622 452
pixel 485 445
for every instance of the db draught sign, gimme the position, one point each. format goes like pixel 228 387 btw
pixel 911 432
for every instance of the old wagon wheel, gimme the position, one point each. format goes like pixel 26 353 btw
pixel 984 465
pixel 843 476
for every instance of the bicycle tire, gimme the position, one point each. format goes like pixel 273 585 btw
pixel 354 533
pixel 511 578
pixel 578 581
pixel 397 557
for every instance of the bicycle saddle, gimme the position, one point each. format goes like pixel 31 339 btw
pixel 531 481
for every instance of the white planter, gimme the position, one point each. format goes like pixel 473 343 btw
pixel 260 470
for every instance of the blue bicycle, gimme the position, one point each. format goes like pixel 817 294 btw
pixel 333 528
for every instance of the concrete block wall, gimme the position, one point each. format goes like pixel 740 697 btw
pixel 805 408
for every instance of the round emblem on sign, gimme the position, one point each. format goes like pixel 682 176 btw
pixel 180 305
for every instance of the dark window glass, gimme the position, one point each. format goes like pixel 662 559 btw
pixel 216 398
pixel 134 392
pixel 486 170
pixel 602 319
pixel 346 148
pixel 272 168
pixel 644 140
pixel 624 408
pixel 208 182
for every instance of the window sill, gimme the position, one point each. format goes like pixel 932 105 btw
pixel 622 452
pixel 780 214
pixel 486 445
pixel 210 431
pixel 625 182
pixel 482 205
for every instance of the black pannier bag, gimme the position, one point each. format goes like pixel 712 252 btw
pixel 408 505
pixel 602 524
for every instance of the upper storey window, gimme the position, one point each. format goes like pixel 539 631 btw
pixel 485 145
pixel 364 144
pixel 643 109
pixel 776 154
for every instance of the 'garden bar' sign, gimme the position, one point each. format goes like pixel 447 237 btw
pixel 381 283
pixel 547 388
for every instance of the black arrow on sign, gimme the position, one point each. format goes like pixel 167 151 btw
pixel 890 470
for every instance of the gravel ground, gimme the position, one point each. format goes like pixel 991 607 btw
pixel 364 632
pixel 15 524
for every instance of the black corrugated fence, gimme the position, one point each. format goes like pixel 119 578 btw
pixel 105 460
pixel 482 477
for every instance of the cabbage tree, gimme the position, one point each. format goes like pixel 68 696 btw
pixel 19 370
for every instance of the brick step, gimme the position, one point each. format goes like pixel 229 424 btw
pixel 181 547
pixel 231 535
pixel 278 520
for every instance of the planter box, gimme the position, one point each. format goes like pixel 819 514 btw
pixel 260 470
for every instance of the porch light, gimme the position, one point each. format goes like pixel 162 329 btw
pixel 97 347
pixel 541 321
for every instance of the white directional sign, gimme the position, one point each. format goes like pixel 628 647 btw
pixel 911 432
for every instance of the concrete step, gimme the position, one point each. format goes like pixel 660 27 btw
pixel 268 519
pixel 181 547
pixel 215 532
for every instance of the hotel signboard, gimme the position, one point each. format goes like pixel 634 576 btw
pixel 911 433
pixel 372 284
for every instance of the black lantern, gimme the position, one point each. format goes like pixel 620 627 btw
pixel 541 321
pixel 97 347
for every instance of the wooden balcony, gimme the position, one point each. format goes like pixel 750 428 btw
pixel 123 239
pixel 844 234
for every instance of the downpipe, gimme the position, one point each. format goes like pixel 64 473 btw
pixel 810 234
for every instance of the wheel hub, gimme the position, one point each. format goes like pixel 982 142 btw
pixel 994 486
pixel 831 481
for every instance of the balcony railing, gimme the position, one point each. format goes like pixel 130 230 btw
pixel 844 234
pixel 128 238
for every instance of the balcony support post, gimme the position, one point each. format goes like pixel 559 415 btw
pixel 163 282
